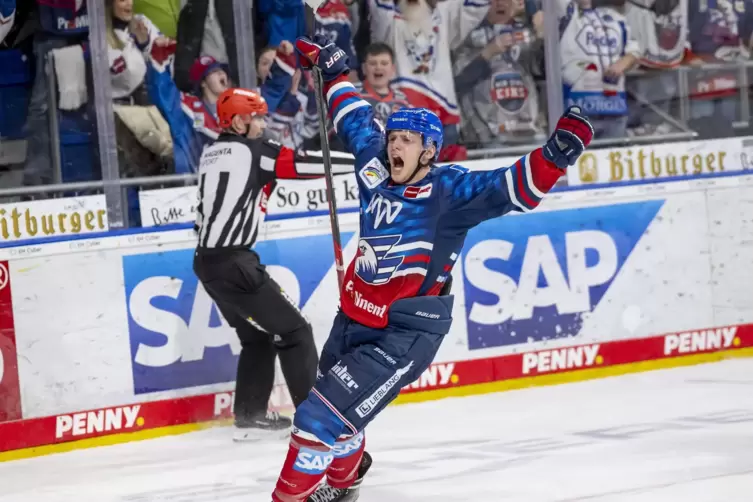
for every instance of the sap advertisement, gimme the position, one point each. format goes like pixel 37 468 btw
pixel 126 321
pixel 524 279
pixel 178 337
pixel 535 281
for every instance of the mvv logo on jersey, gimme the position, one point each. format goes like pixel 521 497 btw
pixel 533 279
pixel 383 209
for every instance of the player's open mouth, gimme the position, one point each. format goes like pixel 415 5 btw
pixel 378 74
pixel 397 162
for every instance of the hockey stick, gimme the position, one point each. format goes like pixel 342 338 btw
pixel 312 5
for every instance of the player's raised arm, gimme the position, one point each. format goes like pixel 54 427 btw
pixel 352 117
pixel 477 196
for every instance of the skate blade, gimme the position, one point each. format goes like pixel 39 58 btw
pixel 256 435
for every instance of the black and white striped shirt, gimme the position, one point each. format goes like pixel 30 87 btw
pixel 235 177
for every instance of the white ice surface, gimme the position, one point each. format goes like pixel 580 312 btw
pixel 664 436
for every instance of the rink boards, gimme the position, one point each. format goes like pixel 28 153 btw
pixel 112 334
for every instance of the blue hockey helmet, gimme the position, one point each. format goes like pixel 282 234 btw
pixel 420 120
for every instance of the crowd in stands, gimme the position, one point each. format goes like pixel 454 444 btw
pixel 479 64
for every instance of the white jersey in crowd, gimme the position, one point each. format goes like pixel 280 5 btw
pixel 663 39
pixel 502 106
pixel 422 50
pixel 127 65
pixel 591 41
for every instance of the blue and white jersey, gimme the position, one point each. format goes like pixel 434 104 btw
pixel 591 41
pixel 7 16
pixel 411 235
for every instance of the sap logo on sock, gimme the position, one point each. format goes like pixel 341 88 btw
pixel 699 341
pixel 568 358
pixel 349 447
pixel 312 461
pixel 178 337
pixel 106 420
pixel 343 377
pixel 436 375
pixel 533 279
pixel 368 404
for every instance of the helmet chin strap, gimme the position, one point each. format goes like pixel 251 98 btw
pixel 417 169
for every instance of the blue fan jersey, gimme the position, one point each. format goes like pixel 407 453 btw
pixel 411 235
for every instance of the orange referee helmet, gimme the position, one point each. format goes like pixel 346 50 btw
pixel 236 101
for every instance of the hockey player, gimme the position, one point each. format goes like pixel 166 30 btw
pixel 235 175
pixel 395 307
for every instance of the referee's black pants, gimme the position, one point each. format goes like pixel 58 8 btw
pixel 268 324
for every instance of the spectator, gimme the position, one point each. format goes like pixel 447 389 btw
pixel 661 29
pixel 7 17
pixel 534 16
pixel 597 49
pixel 295 123
pixel 129 36
pixel 422 33
pixel 376 89
pixel 284 19
pixel 193 116
pixel 720 32
pixel 205 28
pixel 493 75
pixel 143 137
pixel 62 24
pixel 333 20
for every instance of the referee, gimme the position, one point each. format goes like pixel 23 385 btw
pixel 236 175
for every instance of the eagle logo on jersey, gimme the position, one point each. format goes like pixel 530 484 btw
pixel 373 265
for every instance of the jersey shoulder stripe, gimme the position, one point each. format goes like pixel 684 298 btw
pixel 342 99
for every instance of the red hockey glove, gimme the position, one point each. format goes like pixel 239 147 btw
pixel 330 59
pixel 571 137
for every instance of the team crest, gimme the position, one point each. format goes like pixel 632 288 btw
pixel 373 265
pixel 509 91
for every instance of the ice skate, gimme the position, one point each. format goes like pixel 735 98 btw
pixel 271 425
pixel 326 493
